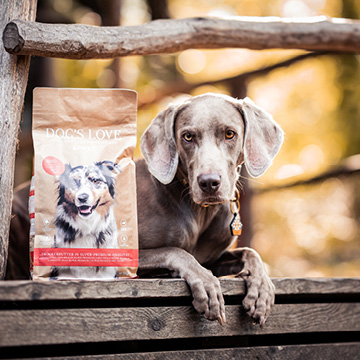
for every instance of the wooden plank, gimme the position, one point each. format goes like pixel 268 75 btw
pixel 307 286
pixel 161 288
pixel 74 290
pixel 349 351
pixel 62 326
pixel 76 41
pixel 13 74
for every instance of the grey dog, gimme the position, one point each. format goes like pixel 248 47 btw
pixel 193 153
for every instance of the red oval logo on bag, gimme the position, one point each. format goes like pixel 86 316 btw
pixel 53 166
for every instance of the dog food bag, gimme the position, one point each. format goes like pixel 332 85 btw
pixel 83 199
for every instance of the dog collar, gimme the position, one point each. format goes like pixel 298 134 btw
pixel 235 224
pixel 181 176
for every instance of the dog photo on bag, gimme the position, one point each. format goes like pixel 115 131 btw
pixel 85 216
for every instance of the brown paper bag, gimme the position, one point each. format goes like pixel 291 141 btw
pixel 84 224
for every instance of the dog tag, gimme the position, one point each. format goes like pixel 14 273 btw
pixel 236 225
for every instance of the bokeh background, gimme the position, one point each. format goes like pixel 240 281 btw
pixel 303 214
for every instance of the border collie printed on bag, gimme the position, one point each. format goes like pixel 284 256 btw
pixel 83 199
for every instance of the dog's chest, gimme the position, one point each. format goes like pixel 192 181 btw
pixel 195 223
pixel 96 232
pixel 207 234
pixel 81 241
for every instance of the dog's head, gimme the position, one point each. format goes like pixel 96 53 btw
pixel 209 137
pixel 86 189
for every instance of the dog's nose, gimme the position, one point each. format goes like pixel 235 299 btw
pixel 209 183
pixel 83 197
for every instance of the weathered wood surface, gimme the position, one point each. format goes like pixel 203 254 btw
pixel 348 351
pixel 13 74
pixel 76 41
pixel 162 288
pixel 66 326
pixel 119 319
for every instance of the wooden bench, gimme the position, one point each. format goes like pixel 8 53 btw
pixel 154 319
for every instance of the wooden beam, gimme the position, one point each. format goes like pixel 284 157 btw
pixel 337 351
pixel 13 74
pixel 78 41
pixel 97 324
pixel 163 288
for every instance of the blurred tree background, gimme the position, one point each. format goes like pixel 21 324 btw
pixel 300 226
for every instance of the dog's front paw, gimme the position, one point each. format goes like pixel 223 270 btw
pixel 208 298
pixel 260 291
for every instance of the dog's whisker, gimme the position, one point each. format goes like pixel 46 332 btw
pixel 184 194
pixel 251 180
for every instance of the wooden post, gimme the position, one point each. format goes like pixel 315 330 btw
pixel 13 74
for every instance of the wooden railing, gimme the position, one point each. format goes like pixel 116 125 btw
pixel 76 41
pixel 152 319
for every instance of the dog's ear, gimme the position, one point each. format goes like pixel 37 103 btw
pixel 110 170
pixel 113 168
pixel 263 137
pixel 62 183
pixel 67 170
pixel 159 148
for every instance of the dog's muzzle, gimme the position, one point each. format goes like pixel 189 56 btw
pixel 87 210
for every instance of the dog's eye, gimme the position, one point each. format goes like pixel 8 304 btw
pixel 229 134
pixel 95 181
pixel 187 137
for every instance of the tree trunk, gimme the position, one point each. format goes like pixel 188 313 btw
pixel 13 74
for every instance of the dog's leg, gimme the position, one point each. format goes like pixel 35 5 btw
pixel 247 264
pixel 205 287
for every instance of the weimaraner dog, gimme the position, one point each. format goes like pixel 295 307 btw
pixel 193 155
pixel 194 152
